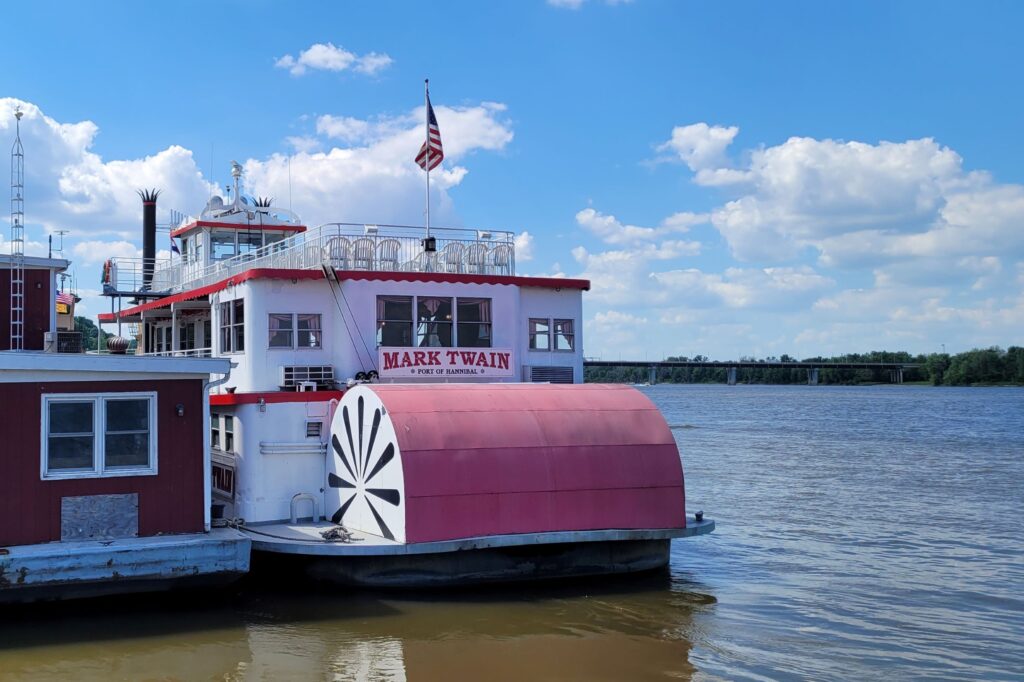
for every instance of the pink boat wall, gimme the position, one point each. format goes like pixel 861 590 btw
pixel 495 459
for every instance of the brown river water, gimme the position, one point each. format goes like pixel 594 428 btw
pixel 863 533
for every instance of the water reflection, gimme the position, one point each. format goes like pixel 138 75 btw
pixel 633 628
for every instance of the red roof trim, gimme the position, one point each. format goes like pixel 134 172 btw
pixel 275 397
pixel 273 273
pixel 235 226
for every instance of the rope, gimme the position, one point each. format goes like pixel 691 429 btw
pixel 328 536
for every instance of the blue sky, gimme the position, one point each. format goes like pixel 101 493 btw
pixel 736 178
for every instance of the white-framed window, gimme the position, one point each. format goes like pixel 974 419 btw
pixel 473 328
pixel 434 321
pixel 98 435
pixel 548 335
pixel 540 333
pixel 394 321
pixel 232 326
pixel 214 430
pixel 565 337
pixel 229 433
pixel 295 330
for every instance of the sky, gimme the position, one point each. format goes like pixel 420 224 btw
pixel 736 179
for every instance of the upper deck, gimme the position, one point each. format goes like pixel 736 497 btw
pixel 344 246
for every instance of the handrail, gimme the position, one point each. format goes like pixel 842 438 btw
pixel 345 246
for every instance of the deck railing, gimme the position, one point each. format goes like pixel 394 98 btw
pixel 344 246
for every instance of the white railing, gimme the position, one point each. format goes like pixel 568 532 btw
pixel 344 246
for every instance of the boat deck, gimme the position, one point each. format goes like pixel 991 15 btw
pixel 305 538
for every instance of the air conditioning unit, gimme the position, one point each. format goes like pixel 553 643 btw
pixel 293 377
pixel 547 375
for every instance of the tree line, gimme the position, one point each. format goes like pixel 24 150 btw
pixel 981 366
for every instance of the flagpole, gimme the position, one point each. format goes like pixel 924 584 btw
pixel 426 122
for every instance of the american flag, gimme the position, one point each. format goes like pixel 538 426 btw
pixel 65 297
pixel 434 138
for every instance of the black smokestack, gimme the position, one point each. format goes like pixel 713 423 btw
pixel 148 234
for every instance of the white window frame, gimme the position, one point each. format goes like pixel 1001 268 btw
pixel 99 413
pixel 554 335
pixel 231 325
pixel 454 322
pixel 295 345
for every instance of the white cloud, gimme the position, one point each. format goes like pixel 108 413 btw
pixel 373 178
pixel 329 57
pixel 91 251
pixel 853 204
pixel 524 247
pixel 789 288
pixel 576 4
pixel 699 145
pixel 74 188
pixel 610 230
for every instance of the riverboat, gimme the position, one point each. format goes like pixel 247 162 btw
pixel 403 407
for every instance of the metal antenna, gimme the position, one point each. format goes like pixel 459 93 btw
pixel 17 238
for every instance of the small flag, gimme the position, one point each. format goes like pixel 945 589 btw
pixel 434 138
pixel 65 297
pixel 174 247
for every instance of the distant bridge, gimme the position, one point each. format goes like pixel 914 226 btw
pixel 895 369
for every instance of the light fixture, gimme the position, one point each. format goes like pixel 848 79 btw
pixel 180 409
pixel 370 229
pixel 483 234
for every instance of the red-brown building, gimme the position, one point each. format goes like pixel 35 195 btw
pixel 98 455
pixel 40 304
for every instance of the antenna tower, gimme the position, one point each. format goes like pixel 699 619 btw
pixel 17 238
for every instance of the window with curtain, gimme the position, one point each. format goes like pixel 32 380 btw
pixel 394 321
pixel 433 321
pixel 565 339
pixel 280 326
pixel 473 317
pixel 540 334
pixel 309 332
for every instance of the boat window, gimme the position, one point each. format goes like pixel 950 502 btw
pixel 394 321
pixel 473 316
pixel 222 244
pixel 249 242
pixel 433 321
pixel 540 334
pixel 273 238
pixel 232 326
pixel 280 330
pixel 101 435
pixel 214 430
pixel 565 339
pixel 309 334
pixel 229 433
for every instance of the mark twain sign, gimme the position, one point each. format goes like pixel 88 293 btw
pixel 407 363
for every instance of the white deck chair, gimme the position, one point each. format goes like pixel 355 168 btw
pixel 362 253
pixel 387 254
pixel 476 258
pixel 337 251
pixel 450 257
pixel 501 258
